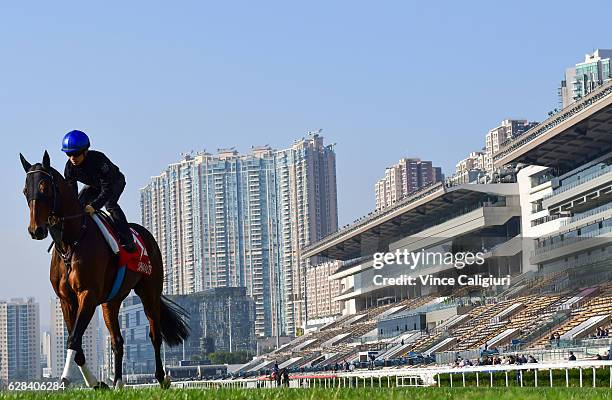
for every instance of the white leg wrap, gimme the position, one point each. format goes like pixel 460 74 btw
pixel 119 384
pixel 90 379
pixel 69 357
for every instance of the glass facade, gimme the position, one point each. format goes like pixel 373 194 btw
pixel 220 319
pixel 585 77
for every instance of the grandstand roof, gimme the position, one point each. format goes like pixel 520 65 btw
pixel 569 138
pixel 410 215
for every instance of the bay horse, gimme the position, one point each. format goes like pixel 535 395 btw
pixel 83 269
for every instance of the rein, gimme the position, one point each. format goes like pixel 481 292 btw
pixel 56 224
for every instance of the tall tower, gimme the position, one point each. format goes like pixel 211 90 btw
pixel 19 341
pixel 308 211
pixel 229 220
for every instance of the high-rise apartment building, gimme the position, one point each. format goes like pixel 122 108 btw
pixel 59 339
pixel 469 169
pixel 322 290
pixel 586 76
pixel 231 220
pixel 403 178
pixel 19 341
pixel 509 129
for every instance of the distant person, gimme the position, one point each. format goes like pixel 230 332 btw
pixel 571 357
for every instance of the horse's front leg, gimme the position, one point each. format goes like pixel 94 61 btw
pixel 69 312
pixel 85 311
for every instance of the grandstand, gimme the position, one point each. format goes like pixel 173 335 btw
pixel 547 226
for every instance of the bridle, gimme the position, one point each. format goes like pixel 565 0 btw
pixel 55 221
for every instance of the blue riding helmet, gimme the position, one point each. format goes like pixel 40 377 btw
pixel 75 141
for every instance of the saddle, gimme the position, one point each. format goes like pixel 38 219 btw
pixel 137 261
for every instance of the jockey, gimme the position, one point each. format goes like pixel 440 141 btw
pixel 103 181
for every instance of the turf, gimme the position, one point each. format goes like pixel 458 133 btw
pixel 315 394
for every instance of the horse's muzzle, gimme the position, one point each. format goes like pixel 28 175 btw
pixel 39 233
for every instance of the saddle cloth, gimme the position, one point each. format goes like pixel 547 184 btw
pixel 137 261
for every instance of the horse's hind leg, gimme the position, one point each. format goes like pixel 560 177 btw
pixel 110 312
pixel 85 311
pixel 151 301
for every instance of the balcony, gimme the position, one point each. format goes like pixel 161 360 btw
pixel 583 178
pixel 582 194
pixel 587 214
pixel 574 242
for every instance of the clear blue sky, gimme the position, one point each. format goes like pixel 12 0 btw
pixel 149 80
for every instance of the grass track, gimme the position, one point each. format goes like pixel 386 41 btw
pixel 315 394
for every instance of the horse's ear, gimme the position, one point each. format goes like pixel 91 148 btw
pixel 25 163
pixel 46 160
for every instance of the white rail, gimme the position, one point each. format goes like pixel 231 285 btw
pixel 392 377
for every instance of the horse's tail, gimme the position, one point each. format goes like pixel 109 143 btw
pixel 173 318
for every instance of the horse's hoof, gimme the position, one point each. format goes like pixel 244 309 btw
pixel 166 383
pixel 101 386
pixel 119 384
pixel 64 384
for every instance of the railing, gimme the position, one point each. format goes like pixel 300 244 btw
pixel 426 191
pixel 547 328
pixel 572 240
pixel 586 214
pixel 546 218
pixel 442 305
pixel 540 374
pixel 511 145
pixel 578 182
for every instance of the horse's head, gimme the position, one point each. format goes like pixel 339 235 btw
pixel 41 194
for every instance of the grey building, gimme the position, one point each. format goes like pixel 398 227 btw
pixel 138 354
pixel 220 319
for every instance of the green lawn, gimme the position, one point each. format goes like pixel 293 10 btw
pixel 315 394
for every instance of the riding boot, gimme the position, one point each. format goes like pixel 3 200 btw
pixel 123 229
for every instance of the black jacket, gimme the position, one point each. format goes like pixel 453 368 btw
pixel 96 171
